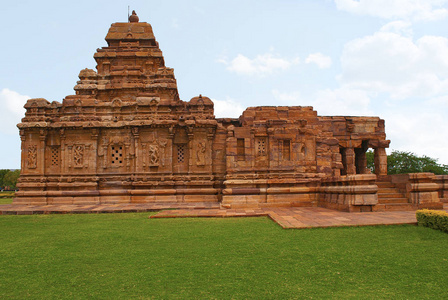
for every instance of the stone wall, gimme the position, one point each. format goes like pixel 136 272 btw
pixel 420 188
pixel 442 182
pixel 353 193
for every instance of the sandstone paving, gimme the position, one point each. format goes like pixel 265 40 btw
pixel 306 217
pixel 301 217
pixel 17 209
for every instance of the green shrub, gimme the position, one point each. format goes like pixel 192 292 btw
pixel 8 194
pixel 433 219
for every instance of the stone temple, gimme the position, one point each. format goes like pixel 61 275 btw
pixel 127 137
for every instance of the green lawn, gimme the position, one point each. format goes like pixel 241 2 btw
pixel 123 256
pixel 5 200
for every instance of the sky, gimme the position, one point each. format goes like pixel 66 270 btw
pixel 386 58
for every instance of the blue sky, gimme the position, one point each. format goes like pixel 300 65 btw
pixel 386 58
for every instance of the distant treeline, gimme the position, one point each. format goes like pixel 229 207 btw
pixel 401 162
pixel 8 179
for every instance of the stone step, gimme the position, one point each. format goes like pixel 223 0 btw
pixel 289 204
pixel 382 184
pixel 395 207
pixel 390 195
pixel 387 190
pixel 393 200
pixel 240 206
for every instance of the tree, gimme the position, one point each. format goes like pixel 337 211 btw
pixel 10 179
pixel 2 176
pixel 401 162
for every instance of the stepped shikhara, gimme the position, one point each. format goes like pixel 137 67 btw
pixel 125 136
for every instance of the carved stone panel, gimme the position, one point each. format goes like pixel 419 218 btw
pixel 78 156
pixel 32 157
pixel 163 144
pixel 116 155
pixel 200 154
pixel 181 153
pixel 54 156
pixel 261 146
pixel 153 153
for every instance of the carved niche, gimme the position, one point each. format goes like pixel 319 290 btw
pixel 181 150
pixel 78 156
pixel 162 144
pixel 301 150
pixel 153 153
pixel 32 157
pixel 200 154
pixel 115 151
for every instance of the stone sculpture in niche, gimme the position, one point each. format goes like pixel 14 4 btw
pixel 163 144
pixel 153 152
pixel 32 157
pixel 200 154
pixel 78 156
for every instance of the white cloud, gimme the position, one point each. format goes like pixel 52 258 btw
pixel 391 65
pixel 395 64
pixel 399 27
pixel 427 10
pixel 261 65
pixel 12 110
pixel 228 108
pixel 322 61
pixel 440 101
pixel 291 98
pixel 341 101
pixel 420 132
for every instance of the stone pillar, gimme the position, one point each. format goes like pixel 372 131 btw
pixel 23 152
pixel 63 151
pixel 191 152
pixel 361 161
pixel 41 158
pixel 209 146
pixel 93 155
pixel 380 158
pixel 137 164
pixel 171 149
pixel 350 161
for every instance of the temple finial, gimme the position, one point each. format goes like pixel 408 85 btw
pixel 133 18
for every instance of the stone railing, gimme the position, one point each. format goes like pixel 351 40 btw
pixel 421 189
pixel 354 193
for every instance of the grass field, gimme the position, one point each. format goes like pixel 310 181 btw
pixel 123 256
pixel 6 197
pixel 5 200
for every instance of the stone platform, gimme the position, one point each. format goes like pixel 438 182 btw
pixel 303 217
pixel 298 217
pixel 19 209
